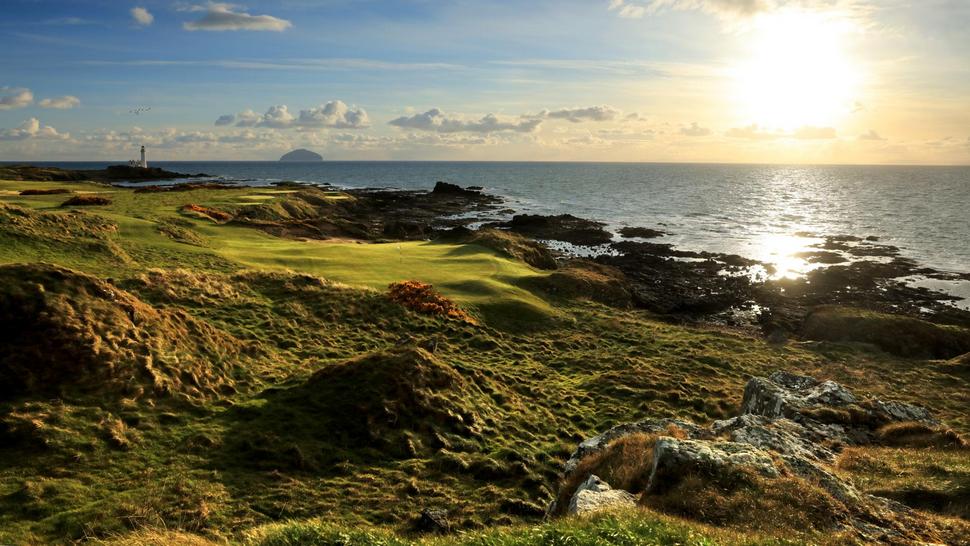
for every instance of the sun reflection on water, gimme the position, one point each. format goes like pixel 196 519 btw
pixel 782 251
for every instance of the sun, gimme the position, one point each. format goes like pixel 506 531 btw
pixel 798 72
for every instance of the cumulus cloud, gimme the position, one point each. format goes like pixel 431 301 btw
pixel 334 114
pixel 277 117
pixel 142 16
pixel 247 118
pixel 15 97
pixel 60 103
pixel 222 16
pixel 32 129
pixel 437 121
pixel 577 115
pixel 871 135
pixel 695 130
pixel 809 132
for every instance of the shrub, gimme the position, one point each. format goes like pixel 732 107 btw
pixel 423 298
pixel 86 200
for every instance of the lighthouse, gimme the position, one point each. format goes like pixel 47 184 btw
pixel 144 162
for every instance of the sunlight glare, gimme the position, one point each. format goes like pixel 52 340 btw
pixel 798 73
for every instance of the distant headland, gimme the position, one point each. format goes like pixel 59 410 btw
pixel 301 155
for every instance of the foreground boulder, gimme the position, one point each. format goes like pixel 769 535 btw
pixel 782 446
pixel 595 495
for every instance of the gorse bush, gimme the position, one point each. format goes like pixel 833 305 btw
pixel 423 298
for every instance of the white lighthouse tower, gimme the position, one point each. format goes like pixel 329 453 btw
pixel 144 162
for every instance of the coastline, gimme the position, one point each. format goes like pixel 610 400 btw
pixel 233 373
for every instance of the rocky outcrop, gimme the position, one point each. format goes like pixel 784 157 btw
pixel 563 227
pixel 791 427
pixel 594 495
pixel 673 459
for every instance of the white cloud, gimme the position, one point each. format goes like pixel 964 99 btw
pixel 247 118
pixel 627 10
pixel 221 16
pixel 695 130
pixel 437 121
pixel 577 115
pixel 277 117
pixel 32 129
pixel 871 135
pixel 334 114
pixel 142 16
pixel 15 97
pixel 60 103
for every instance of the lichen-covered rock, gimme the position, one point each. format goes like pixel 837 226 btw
pixel 790 427
pixel 827 409
pixel 781 435
pixel 600 441
pixel 595 495
pixel 673 458
pixel 783 394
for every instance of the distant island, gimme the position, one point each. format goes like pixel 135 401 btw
pixel 301 155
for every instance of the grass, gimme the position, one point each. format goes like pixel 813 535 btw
pixel 538 373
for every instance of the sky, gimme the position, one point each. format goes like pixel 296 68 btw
pixel 764 81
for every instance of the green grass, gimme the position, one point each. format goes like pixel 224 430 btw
pixel 540 373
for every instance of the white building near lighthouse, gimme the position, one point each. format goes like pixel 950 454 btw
pixel 143 162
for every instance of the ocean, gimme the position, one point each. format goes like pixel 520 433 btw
pixel 765 212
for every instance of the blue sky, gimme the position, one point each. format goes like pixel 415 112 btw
pixel 627 80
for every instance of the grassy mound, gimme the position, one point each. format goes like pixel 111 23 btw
pixel 895 334
pixel 398 403
pixel 62 331
pixel 582 279
pixel 936 481
pixel 508 244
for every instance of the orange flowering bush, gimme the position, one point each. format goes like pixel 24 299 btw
pixel 423 298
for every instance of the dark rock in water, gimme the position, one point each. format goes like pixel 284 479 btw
pixel 433 520
pixel 664 284
pixel 822 257
pixel 641 232
pixel 564 227
pixel 475 188
pixel 301 155
pixel 452 189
